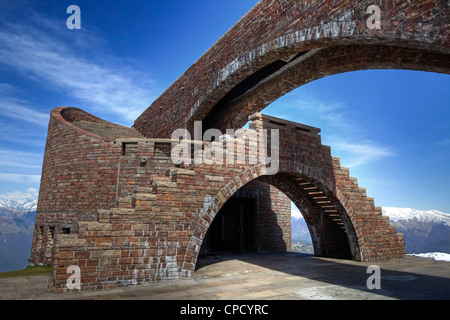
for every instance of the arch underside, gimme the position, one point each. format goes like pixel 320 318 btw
pixel 295 69
pixel 309 38
pixel 331 230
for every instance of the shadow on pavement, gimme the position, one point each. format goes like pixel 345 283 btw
pixel 409 278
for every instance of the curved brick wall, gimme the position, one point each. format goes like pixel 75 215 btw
pixel 79 177
pixel 72 115
pixel 277 30
pixel 80 168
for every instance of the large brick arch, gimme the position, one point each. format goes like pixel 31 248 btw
pixel 280 45
pixel 329 239
pixel 325 62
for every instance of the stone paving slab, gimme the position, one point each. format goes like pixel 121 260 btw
pixel 30 287
pixel 266 276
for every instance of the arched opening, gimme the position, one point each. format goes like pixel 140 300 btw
pixel 331 230
pixel 256 218
pixel 296 45
pixel 232 230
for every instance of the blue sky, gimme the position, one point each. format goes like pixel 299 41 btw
pixel 391 128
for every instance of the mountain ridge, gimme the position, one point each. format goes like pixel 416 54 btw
pixel 395 214
pixel 424 231
pixel 19 205
pixel 16 233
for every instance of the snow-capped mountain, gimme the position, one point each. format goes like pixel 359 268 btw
pixel 424 231
pixel 19 205
pixel 407 214
pixel 16 233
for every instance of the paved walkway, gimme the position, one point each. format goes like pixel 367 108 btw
pixel 262 276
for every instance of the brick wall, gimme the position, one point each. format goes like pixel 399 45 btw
pixel 146 219
pixel 79 169
pixel 79 177
pixel 113 203
pixel 274 218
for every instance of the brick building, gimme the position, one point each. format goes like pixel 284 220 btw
pixel 115 203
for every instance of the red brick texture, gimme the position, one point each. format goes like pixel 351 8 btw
pixel 143 218
pixel 333 37
pixel 113 202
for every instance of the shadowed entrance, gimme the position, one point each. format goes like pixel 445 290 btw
pixel 233 228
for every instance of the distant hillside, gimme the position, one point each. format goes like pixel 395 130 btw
pixel 300 237
pixel 423 231
pixel 299 230
pixel 302 246
pixel 16 233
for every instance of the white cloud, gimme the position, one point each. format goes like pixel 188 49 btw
pixel 21 159
pixel 360 152
pixel 14 112
pixel 19 164
pixel 20 178
pixel 30 193
pixel 20 110
pixel 63 61
pixel 6 88
pixel 353 152
pixel 295 213
pixel 443 142
pixel 334 113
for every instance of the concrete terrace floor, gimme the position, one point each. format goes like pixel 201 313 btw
pixel 267 276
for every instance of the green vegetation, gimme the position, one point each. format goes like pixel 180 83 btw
pixel 28 271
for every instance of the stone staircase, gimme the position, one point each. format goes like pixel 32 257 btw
pixel 379 235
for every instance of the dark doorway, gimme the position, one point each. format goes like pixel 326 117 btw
pixel 233 229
